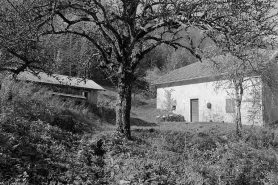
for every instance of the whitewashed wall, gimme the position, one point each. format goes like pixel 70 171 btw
pixel 216 94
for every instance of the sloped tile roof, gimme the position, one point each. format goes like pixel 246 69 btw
pixel 192 71
pixel 59 80
pixel 206 68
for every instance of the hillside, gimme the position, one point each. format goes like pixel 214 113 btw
pixel 46 141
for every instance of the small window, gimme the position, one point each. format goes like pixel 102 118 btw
pixel 209 105
pixel 85 94
pixel 230 106
pixel 174 107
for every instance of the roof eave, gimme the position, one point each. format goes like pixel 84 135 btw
pixel 185 80
pixel 64 85
pixel 212 78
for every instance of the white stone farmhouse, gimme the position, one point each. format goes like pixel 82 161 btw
pixel 201 95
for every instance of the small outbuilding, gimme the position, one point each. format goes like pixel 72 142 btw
pixel 199 94
pixel 65 86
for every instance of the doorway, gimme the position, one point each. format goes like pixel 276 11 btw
pixel 194 110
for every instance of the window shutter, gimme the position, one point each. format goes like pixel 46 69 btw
pixel 230 106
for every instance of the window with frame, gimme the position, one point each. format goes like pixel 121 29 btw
pixel 230 106
pixel 85 94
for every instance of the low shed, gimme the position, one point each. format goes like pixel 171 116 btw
pixel 65 86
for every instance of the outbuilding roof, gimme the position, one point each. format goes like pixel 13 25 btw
pixel 203 69
pixel 57 79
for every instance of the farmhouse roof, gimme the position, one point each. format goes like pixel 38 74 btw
pixel 193 71
pixel 57 79
pixel 203 69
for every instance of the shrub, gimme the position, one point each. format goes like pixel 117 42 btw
pixel 170 118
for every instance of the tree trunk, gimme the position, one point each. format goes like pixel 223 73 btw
pixel 238 118
pixel 123 105
pixel 239 94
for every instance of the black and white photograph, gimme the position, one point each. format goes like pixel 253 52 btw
pixel 138 92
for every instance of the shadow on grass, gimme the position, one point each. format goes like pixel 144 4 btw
pixel 141 123
pixel 108 115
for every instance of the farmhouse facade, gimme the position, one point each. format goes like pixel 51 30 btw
pixel 65 86
pixel 200 95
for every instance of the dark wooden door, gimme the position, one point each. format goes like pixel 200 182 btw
pixel 194 104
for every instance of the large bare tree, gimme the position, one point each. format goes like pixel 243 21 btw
pixel 123 32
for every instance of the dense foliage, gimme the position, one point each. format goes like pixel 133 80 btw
pixel 193 158
pixel 43 142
